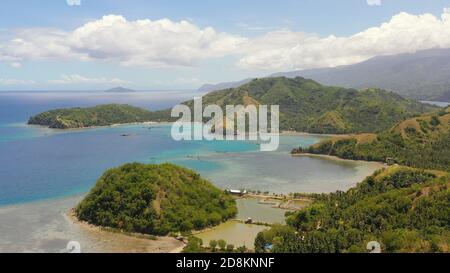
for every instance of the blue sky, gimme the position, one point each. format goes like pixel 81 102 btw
pixel 219 41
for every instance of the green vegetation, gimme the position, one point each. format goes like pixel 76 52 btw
pixel 155 199
pixel 101 115
pixel 422 142
pixel 195 245
pixel 307 106
pixel 406 210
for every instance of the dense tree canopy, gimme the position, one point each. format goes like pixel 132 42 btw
pixel 422 142
pixel 155 199
pixel 101 115
pixel 406 210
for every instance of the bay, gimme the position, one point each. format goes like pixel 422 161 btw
pixel 44 173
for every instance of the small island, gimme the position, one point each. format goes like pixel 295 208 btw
pixel 101 115
pixel 120 89
pixel 155 200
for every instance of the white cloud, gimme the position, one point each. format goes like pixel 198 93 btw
pixel 77 79
pixel 15 82
pixel 160 43
pixel 37 44
pixel 73 2
pixel 296 50
pixel 374 2
pixel 153 43
pixel 165 43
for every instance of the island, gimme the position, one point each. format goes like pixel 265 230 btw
pixel 120 89
pixel 101 115
pixel 155 200
pixel 403 206
pixel 305 106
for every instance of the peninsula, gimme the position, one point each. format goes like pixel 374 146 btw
pixel 422 141
pixel 101 115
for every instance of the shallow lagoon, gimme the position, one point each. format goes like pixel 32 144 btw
pixel 49 167
pixel 235 233
pixel 63 164
pixel 240 234
pixel 52 164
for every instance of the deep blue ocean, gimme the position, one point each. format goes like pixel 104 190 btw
pixel 38 163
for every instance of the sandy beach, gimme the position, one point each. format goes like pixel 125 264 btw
pixel 332 157
pixel 117 242
pixel 144 123
pixel 47 227
pixel 297 133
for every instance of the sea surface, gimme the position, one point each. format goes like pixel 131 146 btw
pixel 438 103
pixel 44 172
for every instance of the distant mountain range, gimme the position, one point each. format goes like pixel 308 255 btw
pixel 424 75
pixel 119 90
pixel 224 85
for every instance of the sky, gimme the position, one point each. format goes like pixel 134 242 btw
pixel 180 44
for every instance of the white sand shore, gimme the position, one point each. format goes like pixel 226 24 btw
pixel 117 242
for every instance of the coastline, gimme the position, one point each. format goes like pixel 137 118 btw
pixel 97 127
pixel 298 133
pixel 282 133
pixel 332 157
pixel 102 240
pixel 119 242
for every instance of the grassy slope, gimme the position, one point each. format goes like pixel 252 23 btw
pixel 304 104
pixel 422 142
pixel 308 106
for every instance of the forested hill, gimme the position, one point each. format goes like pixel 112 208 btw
pixel 101 115
pixel 305 105
pixel 155 199
pixel 404 209
pixel 308 106
pixel 422 142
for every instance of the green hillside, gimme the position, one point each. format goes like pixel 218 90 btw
pixel 101 115
pixel 155 199
pixel 305 105
pixel 422 142
pixel 404 209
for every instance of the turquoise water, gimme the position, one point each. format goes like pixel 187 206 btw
pixel 44 173
pixel 438 103
pixel 38 163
